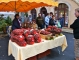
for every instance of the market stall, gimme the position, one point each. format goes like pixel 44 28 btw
pixel 22 53
pixel 24 5
pixel 28 42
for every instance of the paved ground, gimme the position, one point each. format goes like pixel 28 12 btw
pixel 56 53
pixel 65 29
pixel 68 54
pixel 4 49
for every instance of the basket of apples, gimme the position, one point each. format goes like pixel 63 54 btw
pixel 54 30
pixel 44 34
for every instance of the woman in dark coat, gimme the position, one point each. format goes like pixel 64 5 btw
pixel 16 24
pixel 75 27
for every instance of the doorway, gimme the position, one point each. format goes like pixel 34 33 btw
pixel 33 13
pixel 62 10
pixel 43 11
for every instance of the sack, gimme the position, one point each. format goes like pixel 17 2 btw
pixel 18 31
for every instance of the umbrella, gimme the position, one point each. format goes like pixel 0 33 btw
pixel 6 1
pixel 49 2
pixel 24 5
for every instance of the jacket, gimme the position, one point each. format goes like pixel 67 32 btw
pixel 51 22
pixel 40 21
pixel 15 24
pixel 47 20
pixel 61 21
pixel 75 27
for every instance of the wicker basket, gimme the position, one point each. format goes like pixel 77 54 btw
pixel 44 36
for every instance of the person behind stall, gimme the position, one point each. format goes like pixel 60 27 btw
pixel 43 16
pixel 30 18
pixel 51 22
pixel 16 23
pixel 75 27
pixel 47 19
pixel 51 14
pixel 57 23
pixel 61 20
pixel 40 21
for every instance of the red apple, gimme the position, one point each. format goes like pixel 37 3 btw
pixel 32 31
pixel 30 39
pixel 18 31
pixel 38 41
pixel 20 37
pixel 23 43
pixel 48 29
pixel 49 26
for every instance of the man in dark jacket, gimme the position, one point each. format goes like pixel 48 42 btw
pixel 40 21
pixel 16 24
pixel 51 21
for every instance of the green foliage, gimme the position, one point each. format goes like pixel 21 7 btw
pixel 1 17
pixel 9 21
pixel 26 14
pixel 0 29
pixel 3 24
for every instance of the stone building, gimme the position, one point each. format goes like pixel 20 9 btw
pixel 66 7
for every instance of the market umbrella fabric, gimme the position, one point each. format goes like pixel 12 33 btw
pixel 49 2
pixel 6 1
pixel 24 5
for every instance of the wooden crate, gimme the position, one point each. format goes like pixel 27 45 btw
pixel 40 55
pixel 44 54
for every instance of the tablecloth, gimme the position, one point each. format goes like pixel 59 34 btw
pixel 22 53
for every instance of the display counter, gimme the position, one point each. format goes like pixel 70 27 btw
pixel 29 51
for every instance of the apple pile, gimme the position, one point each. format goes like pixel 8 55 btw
pixel 26 33
pixel 44 32
pixel 54 30
pixel 37 38
pixel 33 32
pixel 18 39
pixel 32 36
pixel 18 31
pixel 30 39
pixel 22 37
pixel 23 43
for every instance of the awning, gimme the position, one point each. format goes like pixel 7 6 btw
pixel 24 5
